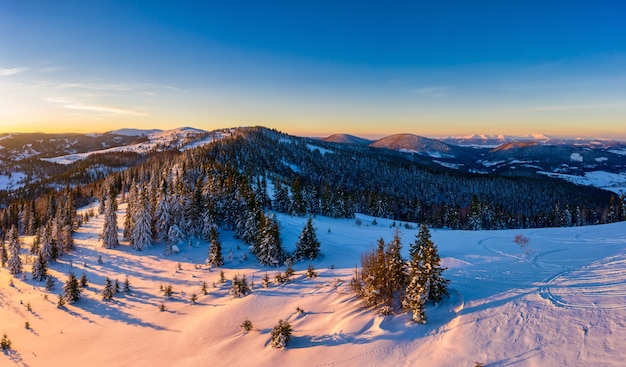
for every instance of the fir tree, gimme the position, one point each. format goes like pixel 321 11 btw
pixel 5 343
pixel 109 231
pixel 107 291
pixel 307 247
pixel 240 287
pixel 84 282
pixel 215 258
pixel 270 251
pixel 126 287
pixel 426 282
pixel 142 230
pixel 48 246
pixel 49 283
pixel 310 272
pixel 4 255
pixel 281 334
pixel 40 269
pixel 71 289
pixel 15 262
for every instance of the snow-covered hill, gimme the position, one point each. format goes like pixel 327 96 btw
pixel 558 301
pixel 157 140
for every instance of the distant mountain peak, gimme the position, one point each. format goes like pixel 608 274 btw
pixel 411 143
pixel 347 139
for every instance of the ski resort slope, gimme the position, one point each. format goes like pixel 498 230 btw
pixel 560 300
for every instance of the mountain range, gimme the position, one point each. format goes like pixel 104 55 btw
pixel 571 159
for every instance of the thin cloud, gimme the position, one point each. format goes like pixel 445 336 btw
pixel 437 91
pixel 12 71
pixel 103 109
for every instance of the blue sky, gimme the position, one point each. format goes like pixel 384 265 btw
pixel 316 68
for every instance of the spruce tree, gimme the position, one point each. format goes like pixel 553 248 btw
pixel 425 271
pixel 215 258
pixel 142 230
pixel 4 255
pixel 71 289
pixel 109 231
pixel 107 291
pixel 270 251
pixel 126 287
pixel 40 269
pixel 307 247
pixel 281 334
pixel 15 262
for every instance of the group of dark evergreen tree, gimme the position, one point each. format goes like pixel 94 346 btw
pixel 190 198
pixel 388 283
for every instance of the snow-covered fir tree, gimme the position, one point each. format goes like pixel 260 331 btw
pixel 215 258
pixel 396 278
pixel 426 265
pixel 48 243
pixel 71 289
pixel 307 247
pixel 109 231
pixel 175 237
pixel 270 250
pixel 15 261
pixel 281 334
pixel 107 291
pixel 40 269
pixel 142 230
pixel 4 255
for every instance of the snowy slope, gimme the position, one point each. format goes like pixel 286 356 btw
pixel 182 138
pixel 560 301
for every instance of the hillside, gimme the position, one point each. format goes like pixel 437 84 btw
pixel 559 301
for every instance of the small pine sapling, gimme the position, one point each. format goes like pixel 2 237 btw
pixel 116 286
pixel 266 281
pixel 193 298
pixel 281 334
pixel 204 290
pixel 126 285
pixel 162 307
pixel 310 272
pixel 27 325
pixel 222 277
pixel 246 325
pixel 84 282
pixel 61 301
pixel 49 283
pixel 5 343
pixel 167 291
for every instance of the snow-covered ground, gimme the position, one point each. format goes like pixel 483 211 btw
pixel 560 301
pixel 15 181
pixel 182 138
pixel 605 180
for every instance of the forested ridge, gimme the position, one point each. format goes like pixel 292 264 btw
pixel 234 183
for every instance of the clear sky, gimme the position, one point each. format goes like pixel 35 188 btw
pixel 367 68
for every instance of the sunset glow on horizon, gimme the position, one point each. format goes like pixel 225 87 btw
pixel 451 68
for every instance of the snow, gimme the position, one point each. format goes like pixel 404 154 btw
pixel 323 151
pixel 449 165
pixel 559 302
pixel 618 151
pixel 16 180
pixel 615 182
pixel 134 132
pixel 182 138
pixel 576 157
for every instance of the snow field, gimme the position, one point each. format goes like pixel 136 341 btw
pixel 557 302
